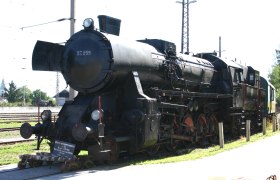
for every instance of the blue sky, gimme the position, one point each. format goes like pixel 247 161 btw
pixel 250 30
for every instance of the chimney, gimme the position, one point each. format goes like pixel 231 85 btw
pixel 109 24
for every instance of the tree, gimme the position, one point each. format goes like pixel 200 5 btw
pixel 12 94
pixel 274 78
pixel 38 94
pixel 25 94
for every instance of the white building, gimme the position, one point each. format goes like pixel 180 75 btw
pixel 62 97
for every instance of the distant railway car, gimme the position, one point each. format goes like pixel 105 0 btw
pixel 268 98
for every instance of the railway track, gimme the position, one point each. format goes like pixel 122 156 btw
pixel 18 117
pixel 9 129
pixel 17 121
pixel 16 141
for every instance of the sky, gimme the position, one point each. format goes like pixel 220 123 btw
pixel 249 30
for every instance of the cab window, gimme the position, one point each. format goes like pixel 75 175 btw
pixel 236 75
pixel 271 93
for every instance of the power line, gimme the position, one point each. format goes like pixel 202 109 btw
pixel 59 20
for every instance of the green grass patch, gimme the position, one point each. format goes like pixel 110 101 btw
pixel 9 134
pixel 9 154
pixel 13 124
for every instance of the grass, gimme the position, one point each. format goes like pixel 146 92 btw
pixel 13 124
pixel 9 134
pixel 9 154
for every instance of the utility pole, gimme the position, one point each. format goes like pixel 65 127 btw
pixel 185 25
pixel 57 86
pixel 72 92
pixel 187 16
pixel 72 17
pixel 220 46
pixel 24 86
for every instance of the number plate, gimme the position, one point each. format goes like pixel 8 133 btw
pixel 63 149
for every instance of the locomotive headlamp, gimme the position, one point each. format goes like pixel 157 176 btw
pixel 96 114
pixel 88 24
pixel 46 115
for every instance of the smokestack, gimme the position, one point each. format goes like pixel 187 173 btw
pixel 109 24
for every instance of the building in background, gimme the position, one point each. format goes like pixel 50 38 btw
pixel 62 97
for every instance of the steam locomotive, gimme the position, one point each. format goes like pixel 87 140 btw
pixel 140 95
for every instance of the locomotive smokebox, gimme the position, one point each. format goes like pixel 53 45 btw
pixel 109 24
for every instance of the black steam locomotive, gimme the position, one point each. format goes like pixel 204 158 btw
pixel 139 95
